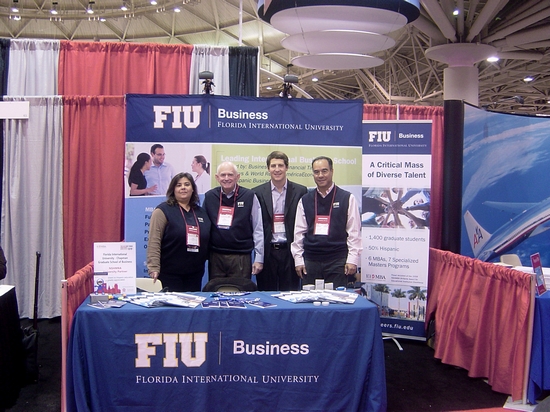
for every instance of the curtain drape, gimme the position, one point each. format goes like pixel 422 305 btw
pixel 401 112
pixel 243 71
pixel 4 64
pixel 104 68
pixel 32 204
pixel 34 67
pixel 93 181
pixel 215 59
pixel 481 313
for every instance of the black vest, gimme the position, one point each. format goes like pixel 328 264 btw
pixel 333 246
pixel 174 257
pixel 238 239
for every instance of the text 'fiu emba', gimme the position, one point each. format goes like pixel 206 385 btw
pixel 192 348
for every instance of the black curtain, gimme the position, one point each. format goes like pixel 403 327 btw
pixel 243 71
pixel 4 59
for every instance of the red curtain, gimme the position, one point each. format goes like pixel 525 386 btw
pixel 104 68
pixel 435 114
pixel 93 178
pixel 481 313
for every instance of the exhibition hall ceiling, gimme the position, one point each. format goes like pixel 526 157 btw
pixel 518 29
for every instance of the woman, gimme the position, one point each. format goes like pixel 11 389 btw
pixel 136 177
pixel 178 237
pixel 202 168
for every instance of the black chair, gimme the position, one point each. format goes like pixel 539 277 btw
pixel 230 285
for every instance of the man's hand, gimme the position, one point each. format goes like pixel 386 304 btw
pixel 350 269
pixel 301 271
pixel 154 276
pixel 257 268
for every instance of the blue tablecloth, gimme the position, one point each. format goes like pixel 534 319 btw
pixel 291 357
pixel 539 371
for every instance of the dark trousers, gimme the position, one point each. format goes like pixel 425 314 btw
pixel 221 265
pixel 278 272
pixel 190 282
pixel 331 271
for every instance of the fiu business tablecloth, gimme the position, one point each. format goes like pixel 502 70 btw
pixel 291 357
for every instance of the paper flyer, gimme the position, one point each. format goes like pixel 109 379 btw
pixel 115 267
pixel 539 276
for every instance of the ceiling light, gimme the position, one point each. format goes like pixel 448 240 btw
pixel 15 17
pixel 15 7
pixel 153 2
pixel 124 6
pixel 177 9
pixel 493 59
pixel 456 12
pixel 314 79
pixel 528 79
pixel 102 19
pixel 90 8
pixel 269 88
pixel 337 30
pixel 53 10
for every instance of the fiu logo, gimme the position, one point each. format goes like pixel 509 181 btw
pixel 190 116
pixel 478 236
pixel 192 348
pixel 379 136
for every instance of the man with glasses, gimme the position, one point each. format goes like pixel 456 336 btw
pixel 327 237
pixel 160 173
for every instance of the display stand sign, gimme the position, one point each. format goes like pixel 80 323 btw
pixel 539 276
pixel 115 267
pixel 395 222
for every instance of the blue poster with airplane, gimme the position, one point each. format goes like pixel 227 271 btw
pixel 506 186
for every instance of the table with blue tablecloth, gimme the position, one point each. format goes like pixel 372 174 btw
pixel 539 371
pixel 289 357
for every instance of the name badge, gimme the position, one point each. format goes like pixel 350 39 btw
pixel 225 217
pixel 322 224
pixel 193 238
pixel 279 223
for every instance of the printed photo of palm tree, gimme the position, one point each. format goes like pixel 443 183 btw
pixel 398 303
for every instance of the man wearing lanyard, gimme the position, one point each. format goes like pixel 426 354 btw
pixel 327 239
pixel 236 228
pixel 278 198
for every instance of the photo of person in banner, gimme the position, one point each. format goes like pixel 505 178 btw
pixel 136 177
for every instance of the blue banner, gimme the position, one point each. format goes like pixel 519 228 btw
pixel 242 130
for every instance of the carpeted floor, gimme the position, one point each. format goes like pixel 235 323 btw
pixel 415 380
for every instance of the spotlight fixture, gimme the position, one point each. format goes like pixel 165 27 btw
pixel 124 6
pixel 153 2
pixel 289 80
pixel 528 79
pixel 208 83
pixel 15 6
pixel 177 9
pixel 53 10
pixel 90 8
pixel 493 59
pixel 314 79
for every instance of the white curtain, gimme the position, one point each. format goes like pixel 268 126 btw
pixel 33 67
pixel 215 59
pixel 32 204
